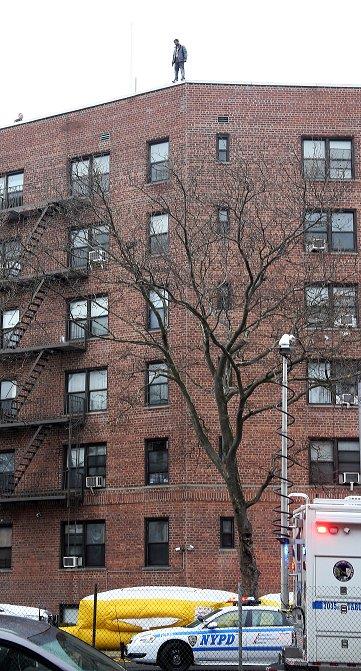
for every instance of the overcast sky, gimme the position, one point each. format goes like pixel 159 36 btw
pixel 59 55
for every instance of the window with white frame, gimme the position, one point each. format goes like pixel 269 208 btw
pixel 331 458
pixel 90 175
pixel 158 310
pixel 331 305
pixel 9 320
pixel 88 317
pixel 156 461
pixel 330 231
pixel 158 233
pixel 327 158
pixel 157 383
pixel 159 161
pixel 7 398
pixel 87 244
pixel 11 190
pixel 334 382
pixel 87 391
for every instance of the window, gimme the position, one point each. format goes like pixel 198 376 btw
pixel 88 317
pixel 333 382
pixel 11 190
pixel 7 467
pixel 156 456
pixel 327 159
pixel 5 545
pixel 230 619
pixel 331 458
pixel 159 161
pixel 87 391
pixel 85 540
pixel 227 532
pixel 7 396
pixel 9 319
pixel 83 461
pixel 224 296
pixel 90 175
pixel 86 240
pixel 158 234
pixel 10 258
pixel 223 220
pixel 157 383
pixel 157 542
pixel 68 614
pixel 223 148
pixel 159 300
pixel 268 618
pixel 331 306
pixel 333 231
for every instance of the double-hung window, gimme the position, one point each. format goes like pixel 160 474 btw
pixel 330 231
pixel 333 382
pixel 223 148
pixel 86 541
pixel 87 391
pixel 88 317
pixel 159 161
pixel 9 320
pixel 223 220
pixel 83 461
pixel 224 297
pixel 5 546
pixel 331 305
pixel 7 398
pixel 7 468
pixel 90 175
pixel 157 542
pixel 11 190
pixel 227 532
pixel 10 258
pixel 88 245
pixel 327 158
pixel 158 233
pixel 157 383
pixel 329 459
pixel 156 465
pixel 158 308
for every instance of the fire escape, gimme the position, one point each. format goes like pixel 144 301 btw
pixel 17 413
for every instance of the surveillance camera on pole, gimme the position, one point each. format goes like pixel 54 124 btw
pixel 285 344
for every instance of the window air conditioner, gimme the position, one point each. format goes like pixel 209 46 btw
pixel 72 562
pixel 349 478
pixel 346 320
pixel 94 481
pixel 97 257
pixel 348 399
pixel 316 245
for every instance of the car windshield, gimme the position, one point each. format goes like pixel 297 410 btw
pixel 77 654
pixel 197 622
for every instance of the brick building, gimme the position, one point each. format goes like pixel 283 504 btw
pixel 88 495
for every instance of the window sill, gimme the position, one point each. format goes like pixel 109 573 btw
pixel 156 568
pixel 156 407
pixel 83 569
pixel 5 570
pixel 332 406
pixel 227 549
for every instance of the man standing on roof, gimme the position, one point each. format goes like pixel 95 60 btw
pixel 179 58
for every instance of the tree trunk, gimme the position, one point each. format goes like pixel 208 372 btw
pixel 249 572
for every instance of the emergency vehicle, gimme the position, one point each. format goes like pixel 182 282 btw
pixel 326 572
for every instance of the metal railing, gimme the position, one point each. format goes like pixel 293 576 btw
pixel 12 197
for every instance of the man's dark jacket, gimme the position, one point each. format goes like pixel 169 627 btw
pixel 181 57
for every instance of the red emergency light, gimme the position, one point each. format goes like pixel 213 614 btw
pixel 323 528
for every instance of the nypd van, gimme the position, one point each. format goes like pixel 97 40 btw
pixel 215 640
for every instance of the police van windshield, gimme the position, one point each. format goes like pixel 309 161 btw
pixel 204 619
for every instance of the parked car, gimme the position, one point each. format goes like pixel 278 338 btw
pixel 25 611
pixel 27 645
pixel 215 640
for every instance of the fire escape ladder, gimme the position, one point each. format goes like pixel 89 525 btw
pixel 29 384
pixel 28 315
pixel 35 235
pixel 32 447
